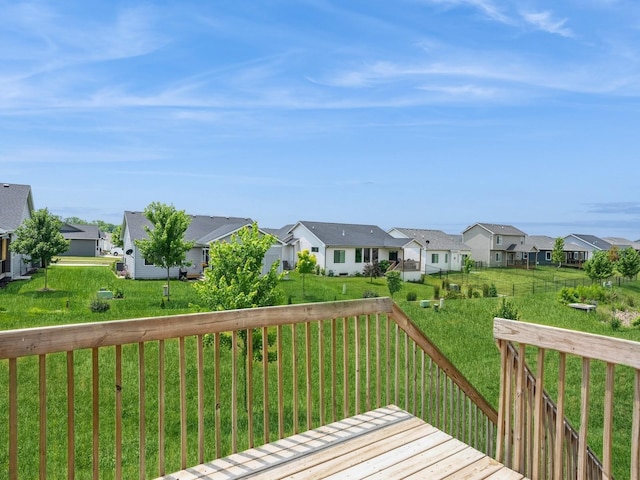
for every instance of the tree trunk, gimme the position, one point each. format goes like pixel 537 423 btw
pixel 168 287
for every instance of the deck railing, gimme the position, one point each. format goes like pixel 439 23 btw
pixel 534 436
pixel 138 398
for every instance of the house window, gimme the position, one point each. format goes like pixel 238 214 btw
pixel 525 256
pixel 498 239
pixel 315 249
pixel 338 256
pixel 367 255
pixel 147 262
pixel 358 255
pixel 435 257
pixel 548 256
pixel 205 256
pixel 446 258
pixel 393 256
pixel 498 257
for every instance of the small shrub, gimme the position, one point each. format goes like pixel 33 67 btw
pixel 436 292
pixel 118 293
pixel 631 301
pixel 99 305
pixel 412 296
pixel 384 265
pixel 317 269
pixel 476 294
pixel 369 294
pixel 492 291
pixel 485 290
pixel 445 284
pixel 615 324
pixel 636 322
pixel 506 309
pixel 470 291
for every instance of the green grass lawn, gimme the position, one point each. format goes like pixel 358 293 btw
pixel 462 329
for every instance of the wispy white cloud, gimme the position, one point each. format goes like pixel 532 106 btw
pixel 544 21
pixel 486 7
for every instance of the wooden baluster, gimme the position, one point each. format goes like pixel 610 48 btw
pixel 558 453
pixel 141 415
pixel 584 419
pixel 538 416
pixel 635 430
pixel 608 422
pixel 42 360
pixel 265 384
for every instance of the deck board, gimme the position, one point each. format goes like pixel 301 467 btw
pixel 385 443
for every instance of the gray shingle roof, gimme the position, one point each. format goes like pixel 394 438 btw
pixel 593 240
pixel 13 198
pixel 438 240
pixel 352 235
pixel 498 229
pixel 76 231
pixel 622 243
pixel 202 228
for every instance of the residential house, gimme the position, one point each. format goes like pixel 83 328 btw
pixel 284 235
pixel 622 243
pixel 203 230
pixel 495 245
pixel 85 240
pixel 344 249
pixel 16 206
pixel 590 243
pixel 545 246
pixel 441 252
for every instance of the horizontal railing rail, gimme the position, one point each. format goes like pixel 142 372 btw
pixel 138 398
pixel 534 436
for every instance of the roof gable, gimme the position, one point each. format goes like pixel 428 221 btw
pixel 592 240
pixel 202 229
pixel 350 235
pixel 499 229
pixel 14 199
pixel 434 239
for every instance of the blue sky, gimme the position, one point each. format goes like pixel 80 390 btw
pixel 407 113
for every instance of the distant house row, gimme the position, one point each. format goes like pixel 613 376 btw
pixel 340 248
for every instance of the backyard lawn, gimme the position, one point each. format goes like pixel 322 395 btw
pixel 462 329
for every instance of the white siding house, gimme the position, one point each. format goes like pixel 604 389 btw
pixel 16 206
pixel 345 249
pixel 441 252
pixel 203 230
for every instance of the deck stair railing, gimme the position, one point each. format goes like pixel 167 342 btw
pixel 534 435
pixel 139 398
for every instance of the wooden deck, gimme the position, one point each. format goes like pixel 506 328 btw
pixel 385 443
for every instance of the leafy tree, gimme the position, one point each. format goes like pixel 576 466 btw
pixel 372 270
pixel 235 279
pixel 39 237
pixel 306 264
pixel 557 254
pixel 76 220
pixel 394 283
pixel 468 265
pixel 599 266
pixel 165 245
pixel 628 263
pixel 115 236
pixel 614 254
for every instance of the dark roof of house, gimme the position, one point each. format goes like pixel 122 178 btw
pixel 77 231
pixel 622 243
pixel 283 234
pixel 499 229
pixel 13 199
pixel 434 239
pixel 593 240
pixel 352 235
pixel 544 242
pixel 202 229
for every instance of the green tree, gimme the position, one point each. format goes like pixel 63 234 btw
pixel 165 246
pixel 372 270
pixel 557 254
pixel 394 283
pixel 468 265
pixel 39 237
pixel 235 279
pixel 116 235
pixel 306 264
pixel 628 263
pixel 599 266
